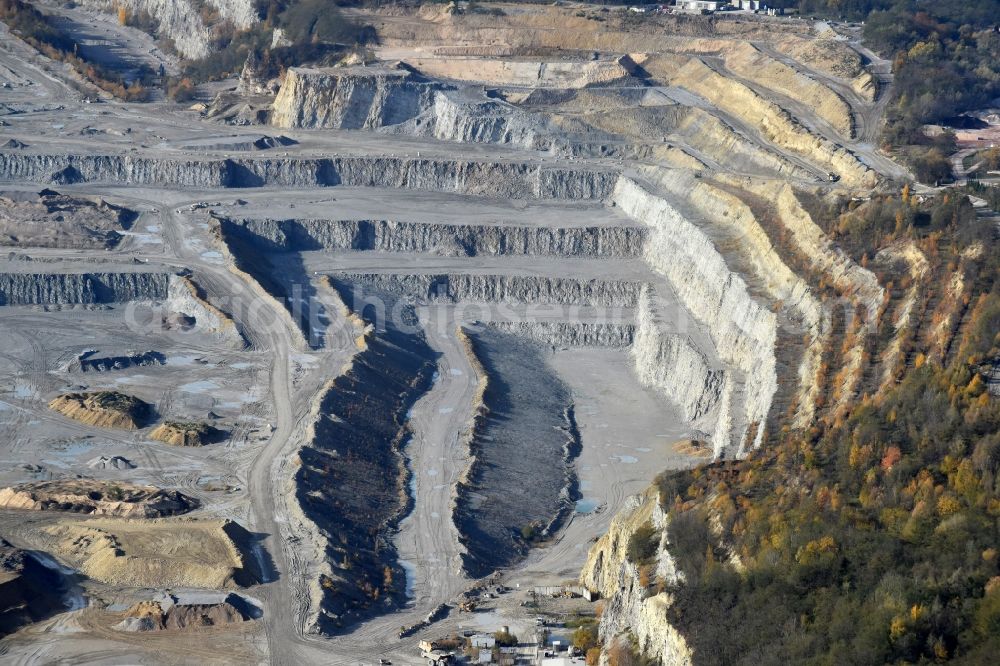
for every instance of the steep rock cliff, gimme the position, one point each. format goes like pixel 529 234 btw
pixel 671 364
pixel 80 288
pixel 400 101
pixel 567 334
pixel 351 97
pixel 447 239
pixel 743 330
pixel 629 605
pixel 457 116
pixel 733 224
pixel 500 288
pixel 181 20
pixel 501 179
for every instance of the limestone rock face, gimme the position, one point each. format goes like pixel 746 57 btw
pixel 630 606
pixel 774 123
pixel 251 81
pixel 502 288
pixel 749 62
pixel 671 364
pixel 177 19
pixel 80 288
pixel 457 116
pixel 104 409
pixel 499 179
pixel 744 331
pixel 726 216
pixel 181 21
pixel 97 498
pixel 567 334
pixel 400 101
pixel 350 97
pixel 471 240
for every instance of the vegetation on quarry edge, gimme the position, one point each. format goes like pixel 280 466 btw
pixel 873 538
pixel 945 61
pixel 35 28
pixel 314 32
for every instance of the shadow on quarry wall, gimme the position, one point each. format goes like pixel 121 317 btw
pixel 258 565
pixel 521 484
pixel 353 481
pixel 32 588
pixel 269 251
pixel 81 288
pixel 445 239
pixel 280 273
pixel 241 175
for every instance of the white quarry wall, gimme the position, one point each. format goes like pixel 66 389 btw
pixel 350 98
pixel 180 21
pixel 400 102
pixel 452 119
pixel 241 13
pixel 743 330
pixel 734 222
pixel 567 334
pixel 673 365
pixel 515 180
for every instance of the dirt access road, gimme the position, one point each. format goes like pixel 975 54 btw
pixel 428 541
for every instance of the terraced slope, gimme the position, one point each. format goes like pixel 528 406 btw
pixel 480 292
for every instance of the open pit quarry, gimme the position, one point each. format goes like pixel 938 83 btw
pixel 429 320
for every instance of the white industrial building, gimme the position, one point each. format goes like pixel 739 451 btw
pixel 701 5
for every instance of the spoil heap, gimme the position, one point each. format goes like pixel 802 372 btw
pixel 99 498
pixel 185 433
pixel 104 409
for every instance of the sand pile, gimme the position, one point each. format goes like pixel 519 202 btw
pixel 105 409
pixel 99 498
pixel 204 554
pixel 185 433
pixel 166 615
pixel 111 462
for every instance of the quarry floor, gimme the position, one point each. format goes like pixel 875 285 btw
pixel 625 442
